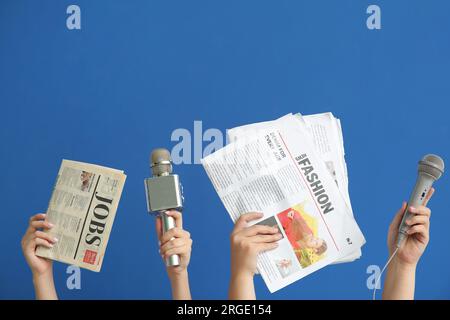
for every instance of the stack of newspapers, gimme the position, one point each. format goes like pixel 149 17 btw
pixel 293 171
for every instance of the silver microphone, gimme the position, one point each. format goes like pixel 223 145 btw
pixel 431 168
pixel 164 193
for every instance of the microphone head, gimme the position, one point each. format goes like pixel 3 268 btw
pixel 432 165
pixel 160 162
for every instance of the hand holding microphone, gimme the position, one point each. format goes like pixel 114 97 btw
pixel 409 232
pixel 430 169
pixel 174 242
pixel 418 232
pixel 164 197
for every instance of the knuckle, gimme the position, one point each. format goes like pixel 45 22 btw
pixel 245 245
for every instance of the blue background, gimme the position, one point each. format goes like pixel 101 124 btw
pixel 137 70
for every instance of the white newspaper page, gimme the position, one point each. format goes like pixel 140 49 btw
pixel 326 135
pixel 277 173
pixel 82 209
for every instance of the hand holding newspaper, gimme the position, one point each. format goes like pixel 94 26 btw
pixel 278 168
pixel 82 209
pixel 325 133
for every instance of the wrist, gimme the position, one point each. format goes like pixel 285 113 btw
pixel 44 286
pixel 42 276
pixel 404 266
pixel 243 275
pixel 177 275
pixel 241 286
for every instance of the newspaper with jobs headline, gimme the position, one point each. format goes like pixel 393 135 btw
pixel 274 168
pixel 82 209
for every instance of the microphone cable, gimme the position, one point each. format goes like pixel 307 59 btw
pixel 384 268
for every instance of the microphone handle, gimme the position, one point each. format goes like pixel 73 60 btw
pixel 423 185
pixel 167 224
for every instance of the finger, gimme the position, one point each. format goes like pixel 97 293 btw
pixel 421 210
pixel 418 229
pixel 418 219
pixel 399 216
pixel 266 238
pixel 266 246
pixel 174 233
pixel 158 226
pixel 45 236
pixel 241 223
pixel 43 242
pixel 39 216
pixel 259 229
pixel 428 197
pixel 178 242
pixel 183 250
pixel 41 224
pixel 177 216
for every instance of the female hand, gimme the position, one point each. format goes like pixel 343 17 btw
pixel 175 241
pixel 248 242
pixel 418 234
pixel 34 236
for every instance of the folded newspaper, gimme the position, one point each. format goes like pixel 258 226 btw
pixel 293 171
pixel 82 209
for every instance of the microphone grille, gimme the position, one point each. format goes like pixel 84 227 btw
pixel 160 162
pixel 432 165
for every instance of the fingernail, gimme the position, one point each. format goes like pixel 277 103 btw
pixel 412 209
pixel 408 221
pixel 279 236
pixel 50 225
pixel 55 239
pixel 51 246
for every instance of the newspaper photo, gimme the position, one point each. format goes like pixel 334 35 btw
pixel 275 171
pixel 82 209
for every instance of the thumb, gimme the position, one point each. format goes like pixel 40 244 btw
pixel 395 224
